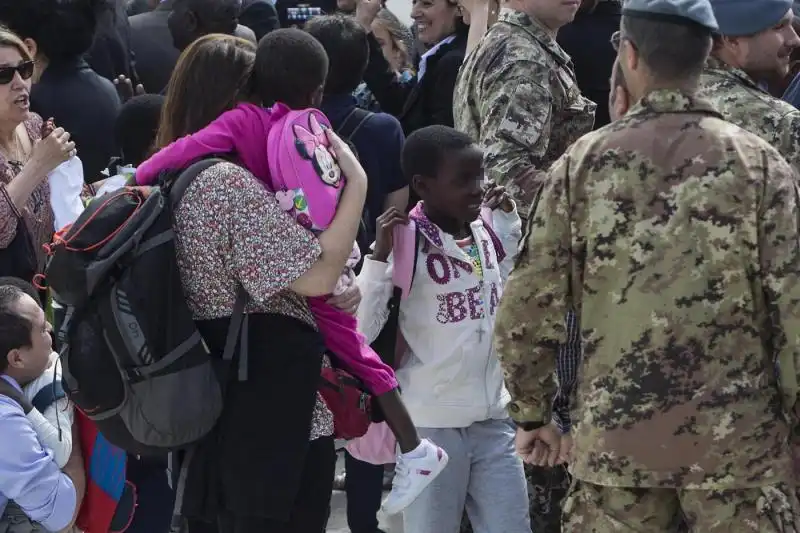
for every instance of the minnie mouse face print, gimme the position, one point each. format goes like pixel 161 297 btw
pixel 314 145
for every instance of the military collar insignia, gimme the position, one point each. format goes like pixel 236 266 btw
pixel 718 66
pixel 673 101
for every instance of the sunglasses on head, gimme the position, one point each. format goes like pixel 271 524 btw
pixel 25 70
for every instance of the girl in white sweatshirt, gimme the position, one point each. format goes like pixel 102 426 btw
pixel 450 378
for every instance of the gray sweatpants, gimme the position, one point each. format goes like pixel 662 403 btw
pixel 484 476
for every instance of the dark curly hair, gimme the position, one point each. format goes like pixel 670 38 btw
pixel 62 29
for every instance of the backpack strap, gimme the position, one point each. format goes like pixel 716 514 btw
pixel 352 123
pixel 406 251
pixel 49 395
pixel 238 330
pixel 238 327
pixel 488 223
pixel 486 217
pixel 8 390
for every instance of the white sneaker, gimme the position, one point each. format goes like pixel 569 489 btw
pixel 413 474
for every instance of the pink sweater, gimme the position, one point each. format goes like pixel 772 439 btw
pixel 242 130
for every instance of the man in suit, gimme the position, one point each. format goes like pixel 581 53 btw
pixel 110 54
pixel 158 36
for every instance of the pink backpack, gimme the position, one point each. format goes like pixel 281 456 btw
pixel 405 253
pixel 305 175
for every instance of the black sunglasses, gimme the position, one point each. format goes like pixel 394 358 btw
pixel 25 70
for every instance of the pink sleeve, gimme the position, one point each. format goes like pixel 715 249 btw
pixel 219 137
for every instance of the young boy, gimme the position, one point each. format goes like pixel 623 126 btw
pixel 450 378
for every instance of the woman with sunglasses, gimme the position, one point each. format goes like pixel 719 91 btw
pixel 58 35
pixel 26 218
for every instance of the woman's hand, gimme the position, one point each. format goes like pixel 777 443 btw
pixel 384 241
pixel 348 162
pixel 53 150
pixel 366 12
pixel 348 301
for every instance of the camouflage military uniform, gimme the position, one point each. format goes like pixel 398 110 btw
pixel 741 101
pixel 516 95
pixel 674 235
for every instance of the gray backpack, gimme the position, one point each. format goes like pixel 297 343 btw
pixel 133 359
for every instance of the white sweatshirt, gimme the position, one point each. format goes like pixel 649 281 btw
pixel 58 415
pixel 449 376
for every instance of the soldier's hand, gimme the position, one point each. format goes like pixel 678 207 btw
pixel 540 447
pixel 565 453
pixel 384 241
pixel 496 197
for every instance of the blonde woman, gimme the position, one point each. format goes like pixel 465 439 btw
pixel 396 42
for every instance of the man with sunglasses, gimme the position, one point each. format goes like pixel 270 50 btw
pixel 674 233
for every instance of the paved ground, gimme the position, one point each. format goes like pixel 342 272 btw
pixel 338 520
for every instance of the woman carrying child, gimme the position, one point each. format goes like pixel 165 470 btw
pixel 294 84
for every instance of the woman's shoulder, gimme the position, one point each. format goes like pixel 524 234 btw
pixel 226 174
pixel 33 125
pixel 226 184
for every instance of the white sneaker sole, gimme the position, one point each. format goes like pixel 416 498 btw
pixel 440 466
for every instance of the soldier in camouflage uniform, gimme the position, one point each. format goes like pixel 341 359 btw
pixel 517 95
pixel 755 46
pixel 675 236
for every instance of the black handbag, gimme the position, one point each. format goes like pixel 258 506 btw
pixel 18 259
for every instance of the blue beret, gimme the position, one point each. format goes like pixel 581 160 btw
pixel 676 11
pixel 748 17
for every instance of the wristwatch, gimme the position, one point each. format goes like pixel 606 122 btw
pixel 529 426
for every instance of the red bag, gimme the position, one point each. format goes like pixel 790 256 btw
pixel 349 402
pixel 110 500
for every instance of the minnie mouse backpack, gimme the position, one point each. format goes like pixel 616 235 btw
pixel 304 173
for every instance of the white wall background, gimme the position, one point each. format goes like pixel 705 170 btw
pixel 401 8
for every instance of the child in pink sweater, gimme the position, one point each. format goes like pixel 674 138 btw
pixel 243 131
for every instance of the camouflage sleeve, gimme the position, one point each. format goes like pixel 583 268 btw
pixel 789 127
pixel 515 129
pixel 530 320
pixel 779 242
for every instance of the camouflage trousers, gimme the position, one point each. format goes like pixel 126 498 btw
pixel 596 509
pixel 547 487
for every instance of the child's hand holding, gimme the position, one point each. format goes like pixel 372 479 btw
pixel 384 241
pixel 347 160
pixel 496 197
